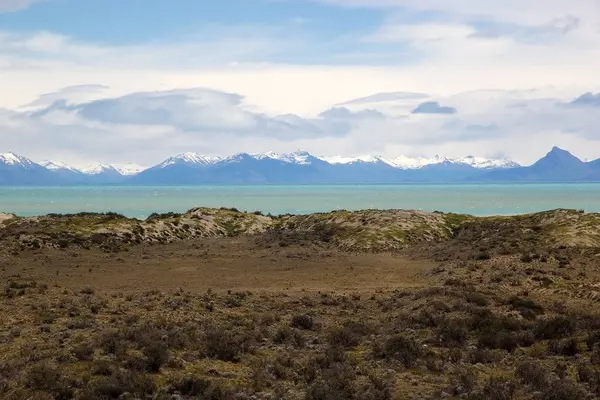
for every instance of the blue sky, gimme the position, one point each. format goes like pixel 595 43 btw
pixel 133 21
pixel 150 78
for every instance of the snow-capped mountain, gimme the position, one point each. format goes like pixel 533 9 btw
pixel 128 169
pixel 13 159
pixel 486 163
pixel 18 170
pixel 190 159
pixel 97 168
pixel 58 166
pixel 403 162
pixel 298 167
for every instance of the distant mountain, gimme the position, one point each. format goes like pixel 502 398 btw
pixel 557 166
pixel 300 167
pixel 303 168
pixel 16 170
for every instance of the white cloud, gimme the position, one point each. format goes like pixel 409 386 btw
pixel 524 12
pixel 14 5
pixel 148 127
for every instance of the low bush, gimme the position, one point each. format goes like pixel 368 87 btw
pixel 566 347
pixel 401 348
pixel 532 373
pixel 563 389
pixel 303 321
pixel 557 327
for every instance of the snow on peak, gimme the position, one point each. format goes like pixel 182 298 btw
pixel 485 163
pixel 190 158
pixel 350 160
pixel 128 169
pixel 97 168
pixel 57 165
pixel 11 158
pixel 405 162
pixel 297 157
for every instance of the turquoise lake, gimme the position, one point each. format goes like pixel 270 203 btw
pixel 141 201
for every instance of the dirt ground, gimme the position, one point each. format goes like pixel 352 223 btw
pixel 222 264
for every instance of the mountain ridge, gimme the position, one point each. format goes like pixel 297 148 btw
pixel 300 167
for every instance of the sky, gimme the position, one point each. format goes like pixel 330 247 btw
pixel 141 80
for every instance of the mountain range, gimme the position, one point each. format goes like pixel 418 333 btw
pixel 300 168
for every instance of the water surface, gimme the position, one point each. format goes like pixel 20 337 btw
pixel 140 201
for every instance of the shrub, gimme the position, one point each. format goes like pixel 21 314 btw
pixel 566 347
pixel 121 382
pixel 83 352
pixel 527 308
pixel 477 299
pixel 157 355
pixel 376 388
pixel 400 348
pixel 556 327
pixel 533 374
pixel 303 321
pixel 452 333
pixel 499 388
pixel 563 389
pixel 198 388
pixel 504 340
pixel 463 381
pixel 285 334
pixel 349 335
pixel 481 256
pixel 337 382
pixel 42 377
pixel 224 345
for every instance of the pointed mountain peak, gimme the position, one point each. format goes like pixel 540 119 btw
pixel 11 158
pixel 559 158
pixel 558 150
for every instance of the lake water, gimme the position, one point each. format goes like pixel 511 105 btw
pixel 141 201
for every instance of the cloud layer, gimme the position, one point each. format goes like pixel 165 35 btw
pixel 146 127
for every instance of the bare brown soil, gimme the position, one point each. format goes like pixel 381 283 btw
pixel 218 264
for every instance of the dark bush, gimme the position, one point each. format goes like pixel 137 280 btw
pixel 481 256
pixel 504 339
pixel 287 335
pixel 157 355
pixel 199 388
pixel 83 352
pixel 527 258
pixel 337 382
pixel 498 388
pixel 463 381
pixel 592 339
pixel 43 377
pixel 566 347
pixel 222 344
pixel 401 348
pixel 477 299
pixel 453 333
pixel 376 388
pixel 303 321
pixel 121 382
pixel 563 389
pixel 527 308
pixel 349 335
pixel 557 327
pixel 532 373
